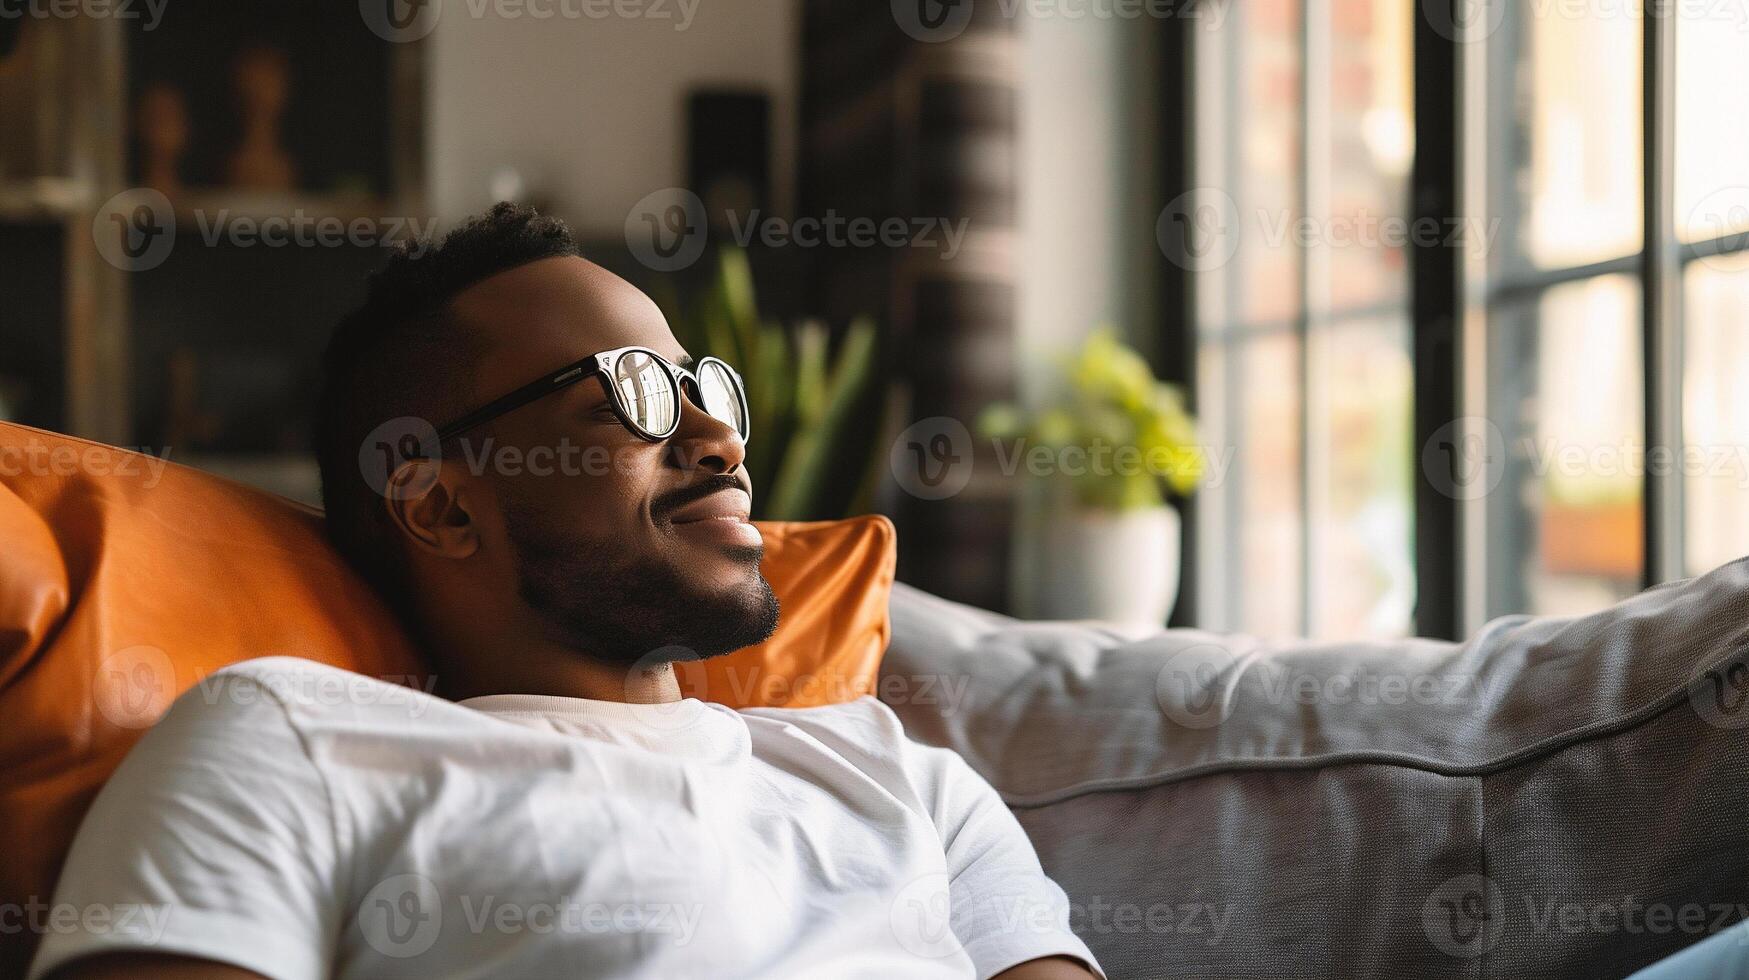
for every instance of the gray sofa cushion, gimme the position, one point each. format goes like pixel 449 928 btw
pixel 1556 797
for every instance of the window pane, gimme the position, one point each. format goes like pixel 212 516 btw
pixel 1712 121
pixel 1716 411
pixel 1268 466
pixel 1372 145
pixel 1253 108
pixel 1363 574
pixel 1250 513
pixel 1571 138
pixel 1250 150
pixel 1566 389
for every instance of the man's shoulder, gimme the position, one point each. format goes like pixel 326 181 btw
pixel 282 689
pixel 863 729
pixel 295 677
pixel 863 711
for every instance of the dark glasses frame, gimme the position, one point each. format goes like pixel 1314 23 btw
pixel 601 365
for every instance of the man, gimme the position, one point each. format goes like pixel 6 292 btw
pixel 561 812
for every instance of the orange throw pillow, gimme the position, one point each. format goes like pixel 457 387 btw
pixel 125 579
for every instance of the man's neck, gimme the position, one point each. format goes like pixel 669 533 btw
pixel 545 668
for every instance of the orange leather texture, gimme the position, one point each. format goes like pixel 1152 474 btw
pixel 833 579
pixel 124 580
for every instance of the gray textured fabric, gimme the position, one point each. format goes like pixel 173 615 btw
pixel 1554 798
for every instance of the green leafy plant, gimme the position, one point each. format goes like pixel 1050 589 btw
pixel 814 404
pixel 1135 440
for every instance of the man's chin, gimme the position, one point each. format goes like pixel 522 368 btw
pixel 705 599
pixel 726 619
pixel 717 572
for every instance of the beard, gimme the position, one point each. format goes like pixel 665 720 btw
pixel 627 609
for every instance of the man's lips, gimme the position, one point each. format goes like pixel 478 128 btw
pixel 722 517
pixel 731 505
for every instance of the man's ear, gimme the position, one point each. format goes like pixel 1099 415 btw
pixel 430 504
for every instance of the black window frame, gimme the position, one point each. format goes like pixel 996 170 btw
pixel 1451 295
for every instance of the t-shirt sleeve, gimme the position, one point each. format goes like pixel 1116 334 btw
pixel 1003 908
pixel 214 839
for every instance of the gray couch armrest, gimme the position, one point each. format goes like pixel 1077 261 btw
pixel 1416 808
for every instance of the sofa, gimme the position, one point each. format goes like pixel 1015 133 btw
pixel 1552 798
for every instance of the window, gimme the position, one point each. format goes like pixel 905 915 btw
pixel 1303 335
pixel 1598 303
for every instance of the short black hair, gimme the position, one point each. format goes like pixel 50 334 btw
pixel 400 355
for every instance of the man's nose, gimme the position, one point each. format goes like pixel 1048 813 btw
pixel 702 439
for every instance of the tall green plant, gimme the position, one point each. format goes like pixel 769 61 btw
pixel 810 401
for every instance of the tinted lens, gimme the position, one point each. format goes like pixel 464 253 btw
pixel 646 393
pixel 722 395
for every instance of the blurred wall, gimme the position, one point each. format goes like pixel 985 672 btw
pixel 1088 184
pixel 592 111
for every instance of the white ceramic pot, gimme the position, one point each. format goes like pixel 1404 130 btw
pixel 1073 562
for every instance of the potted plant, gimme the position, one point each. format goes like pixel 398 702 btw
pixel 1098 537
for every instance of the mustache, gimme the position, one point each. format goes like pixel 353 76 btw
pixel 666 506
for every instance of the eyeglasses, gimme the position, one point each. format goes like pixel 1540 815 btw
pixel 643 387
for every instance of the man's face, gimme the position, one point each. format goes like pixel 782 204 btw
pixel 627 550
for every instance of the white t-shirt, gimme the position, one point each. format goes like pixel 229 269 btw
pixel 305 822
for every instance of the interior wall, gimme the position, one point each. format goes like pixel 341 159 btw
pixel 529 93
pixel 1087 202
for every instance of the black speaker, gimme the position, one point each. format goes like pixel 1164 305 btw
pixel 729 153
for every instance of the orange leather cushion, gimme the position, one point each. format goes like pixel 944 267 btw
pixel 124 580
